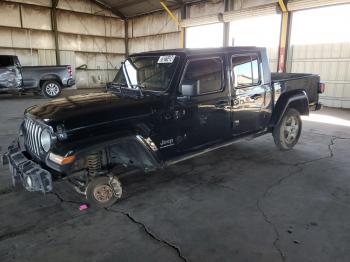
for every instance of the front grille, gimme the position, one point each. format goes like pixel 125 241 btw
pixel 32 132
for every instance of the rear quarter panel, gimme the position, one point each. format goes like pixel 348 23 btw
pixel 285 83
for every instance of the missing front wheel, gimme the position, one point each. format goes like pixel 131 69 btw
pixel 103 191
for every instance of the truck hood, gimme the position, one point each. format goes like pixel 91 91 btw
pixel 93 109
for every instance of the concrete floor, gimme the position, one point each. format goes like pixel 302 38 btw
pixel 247 202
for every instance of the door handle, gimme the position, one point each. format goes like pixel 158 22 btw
pixel 255 96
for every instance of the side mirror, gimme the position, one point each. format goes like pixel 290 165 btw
pixel 190 88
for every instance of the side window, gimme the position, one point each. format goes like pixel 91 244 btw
pixel 245 71
pixel 205 74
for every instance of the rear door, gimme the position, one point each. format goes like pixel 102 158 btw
pixel 248 93
pixel 30 75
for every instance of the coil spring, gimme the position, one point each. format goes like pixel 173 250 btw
pixel 94 164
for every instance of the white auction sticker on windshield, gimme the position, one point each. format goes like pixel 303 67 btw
pixel 166 59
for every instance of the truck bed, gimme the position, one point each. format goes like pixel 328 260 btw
pixel 287 82
pixel 46 66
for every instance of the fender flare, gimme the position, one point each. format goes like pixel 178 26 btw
pixel 297 98
pixel 50 76
pixel 145 145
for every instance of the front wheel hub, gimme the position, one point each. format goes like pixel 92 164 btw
pixel 103 193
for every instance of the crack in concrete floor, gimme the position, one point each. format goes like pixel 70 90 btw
pixel 150 233
pixel 259 204
pixel 62 200
pixel 331 145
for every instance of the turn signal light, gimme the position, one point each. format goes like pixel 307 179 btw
pixel 70 70
pixel 321 88
pixel 61 160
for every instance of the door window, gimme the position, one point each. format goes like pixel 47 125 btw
pixel 6 61
pixel 245 71
pixel 205 74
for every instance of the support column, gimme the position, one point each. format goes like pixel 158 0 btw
pixel 228 5
pixel 182 37
pixel 183 29
pixel 284 37
pixel 55 30
pixel 126 36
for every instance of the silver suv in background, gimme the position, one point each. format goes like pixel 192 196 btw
pixel 47 80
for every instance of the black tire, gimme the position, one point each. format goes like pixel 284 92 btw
pixel 287 133
pixel 103 191
pixel 51 88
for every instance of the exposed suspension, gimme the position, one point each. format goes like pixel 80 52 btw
pixel 94 164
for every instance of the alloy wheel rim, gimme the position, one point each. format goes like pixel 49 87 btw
pixel 291 129
pixel 52 89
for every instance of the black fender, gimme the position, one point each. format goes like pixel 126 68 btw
pixel 297 99
pixel 141 148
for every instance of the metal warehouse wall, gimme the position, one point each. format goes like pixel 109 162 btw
pixel 332 63
pixel 322 46
pixel 87 34
pixel 158 31
pixel 153 32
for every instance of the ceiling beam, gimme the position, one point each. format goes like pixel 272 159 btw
pixel 129 3
pixel 112 9
pixel 118 13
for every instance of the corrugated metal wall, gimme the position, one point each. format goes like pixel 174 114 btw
pixel 332 63
pixel 322 46
pixel 88 34
pixel 156 31
pixel 92 36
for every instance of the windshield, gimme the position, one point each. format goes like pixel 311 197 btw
pixel 152 73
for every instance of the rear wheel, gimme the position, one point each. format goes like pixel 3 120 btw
pixel 51 88
pixel 103 191
pixel 286 134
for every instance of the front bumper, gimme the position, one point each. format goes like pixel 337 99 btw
pixel 25 171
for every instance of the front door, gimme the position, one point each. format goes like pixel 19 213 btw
pixel 207 113
pixel 248 94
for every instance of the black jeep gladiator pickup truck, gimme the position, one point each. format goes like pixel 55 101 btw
pixel 162 107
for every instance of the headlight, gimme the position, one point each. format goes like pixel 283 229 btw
pixel 45 140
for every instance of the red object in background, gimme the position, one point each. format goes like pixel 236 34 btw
pixel 70 70
pixel 321 88
pixel 282 60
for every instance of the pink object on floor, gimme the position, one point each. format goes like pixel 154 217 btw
pixel 83 207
